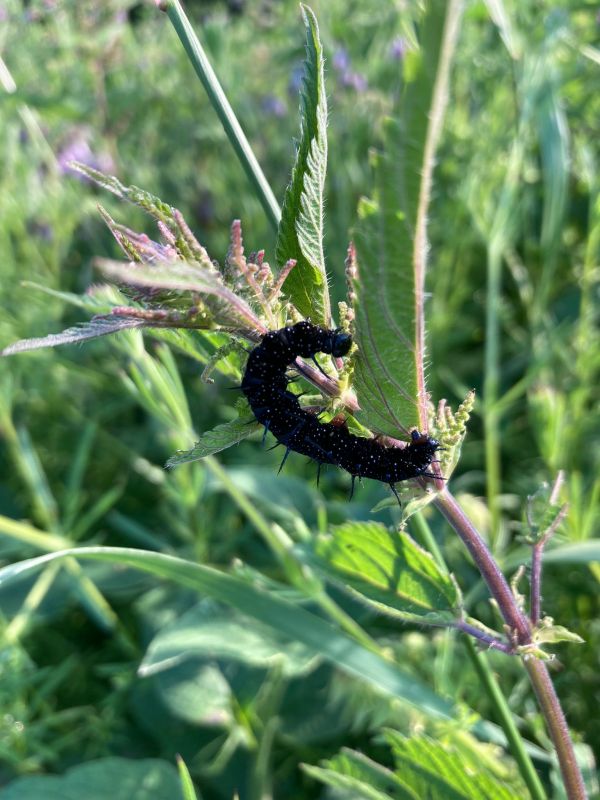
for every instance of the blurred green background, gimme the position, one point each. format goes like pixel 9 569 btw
pixel 83 447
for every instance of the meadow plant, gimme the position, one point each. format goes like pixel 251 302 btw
pixel 173 289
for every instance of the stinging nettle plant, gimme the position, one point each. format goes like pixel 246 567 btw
pixel 214 313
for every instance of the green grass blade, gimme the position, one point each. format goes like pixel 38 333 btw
pixel 300 234
pixel 221 104
pixel 505 716
pixel 390 240
pixel 187 787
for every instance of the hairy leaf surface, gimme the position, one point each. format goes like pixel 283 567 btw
pixel 219 438
pixel 391 247
pixel 388 571
pixel 300 234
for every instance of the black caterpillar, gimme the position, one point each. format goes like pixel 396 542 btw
pixel 265 385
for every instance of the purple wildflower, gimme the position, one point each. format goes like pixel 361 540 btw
pixel 77 148
pixel 341 60
pixel 398 48
pixel 295 81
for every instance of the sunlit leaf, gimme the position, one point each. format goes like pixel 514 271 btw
pixel 300 234
pixel 187 787
pixel 391 247
pixel 430 769
pixel 359 777
pixel 389 571
pixel 222 633
pixel 100 326
pixel 219 438
pixel 179 276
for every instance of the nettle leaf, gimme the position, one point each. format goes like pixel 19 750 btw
pixel 424 768
pixel 219 438
pixel 388 571
pixel 359 777
pixel 439 772
pixel 548 633
pixel 226 307
pixel 391 245
pixel 101 326
pixel 300 234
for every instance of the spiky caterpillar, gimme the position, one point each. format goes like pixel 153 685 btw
pixel 265 386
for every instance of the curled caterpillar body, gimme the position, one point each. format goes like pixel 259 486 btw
pixel 265 386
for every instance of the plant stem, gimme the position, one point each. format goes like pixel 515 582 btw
pixel 558 728
pixel 491 642
pixel 489 570
pixel 505 717
pixel 519 625
pixel 221 104
pixel 538 549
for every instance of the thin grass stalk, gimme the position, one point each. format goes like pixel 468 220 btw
pixel 491 388
pixel 220 103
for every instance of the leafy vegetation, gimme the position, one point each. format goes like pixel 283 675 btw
pixel 278 637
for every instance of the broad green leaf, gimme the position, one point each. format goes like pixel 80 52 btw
pixel 223 633
pixel 221 437
pixel 389 571
pixel 439 772
pixel 103 779
pixel 360 778
pixel 391 244
pixel 300 233
pixel 197 693
pixel 283 616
